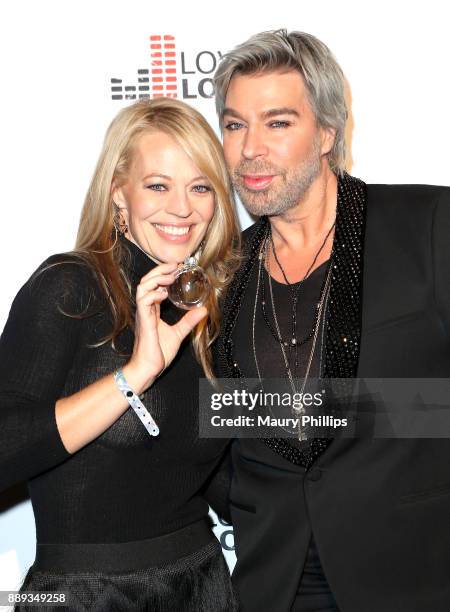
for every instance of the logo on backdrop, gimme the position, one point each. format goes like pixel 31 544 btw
pixel 171 73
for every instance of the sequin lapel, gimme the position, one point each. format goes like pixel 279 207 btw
pixel 233 300
pixel 343 331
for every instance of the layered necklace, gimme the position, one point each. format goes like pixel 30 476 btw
pixel 294 342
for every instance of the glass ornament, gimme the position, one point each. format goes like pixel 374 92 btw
pixel 191 286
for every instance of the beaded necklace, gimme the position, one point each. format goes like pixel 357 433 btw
pixel 295 290
pixel 299 408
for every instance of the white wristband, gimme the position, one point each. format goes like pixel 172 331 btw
pixel 134 401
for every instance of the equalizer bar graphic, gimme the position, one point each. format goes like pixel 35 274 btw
pixel 163 66
pixel 160 80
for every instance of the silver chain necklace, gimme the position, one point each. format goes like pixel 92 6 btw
pixel 299 408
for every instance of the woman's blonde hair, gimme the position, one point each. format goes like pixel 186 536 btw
pixel 97 239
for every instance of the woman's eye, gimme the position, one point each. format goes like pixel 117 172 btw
pixel 201 188
pixel 233 125
pixel 156 187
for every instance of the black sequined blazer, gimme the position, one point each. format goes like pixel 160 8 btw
pixel 379 508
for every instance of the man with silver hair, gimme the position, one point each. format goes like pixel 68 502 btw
pixel 339 280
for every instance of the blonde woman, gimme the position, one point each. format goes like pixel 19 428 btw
pixel 91 341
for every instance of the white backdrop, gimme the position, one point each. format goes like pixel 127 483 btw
pixel 57 62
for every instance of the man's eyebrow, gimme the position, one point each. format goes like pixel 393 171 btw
pixel 272 112
pixel 284 110
pixel 232 112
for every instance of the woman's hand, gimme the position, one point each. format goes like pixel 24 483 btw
pixel 86 414
pixel 156 343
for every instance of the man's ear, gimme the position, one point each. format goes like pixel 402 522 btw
pixel 327 138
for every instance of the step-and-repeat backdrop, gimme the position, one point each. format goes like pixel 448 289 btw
pixel 68 67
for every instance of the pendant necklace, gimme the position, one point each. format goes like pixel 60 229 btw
pixel 294 342
pixel 263 258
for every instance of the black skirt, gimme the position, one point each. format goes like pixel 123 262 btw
pixel 195 582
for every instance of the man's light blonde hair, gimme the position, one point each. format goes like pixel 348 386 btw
pixel 280 51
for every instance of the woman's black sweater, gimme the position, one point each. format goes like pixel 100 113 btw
pixel 125 485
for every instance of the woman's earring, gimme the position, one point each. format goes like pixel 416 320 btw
pixel 120 224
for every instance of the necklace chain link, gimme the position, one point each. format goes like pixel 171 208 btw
pixel 263 258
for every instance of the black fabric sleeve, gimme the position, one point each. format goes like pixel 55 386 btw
pixel 441 257
pixel 217 490
pixel 36 352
